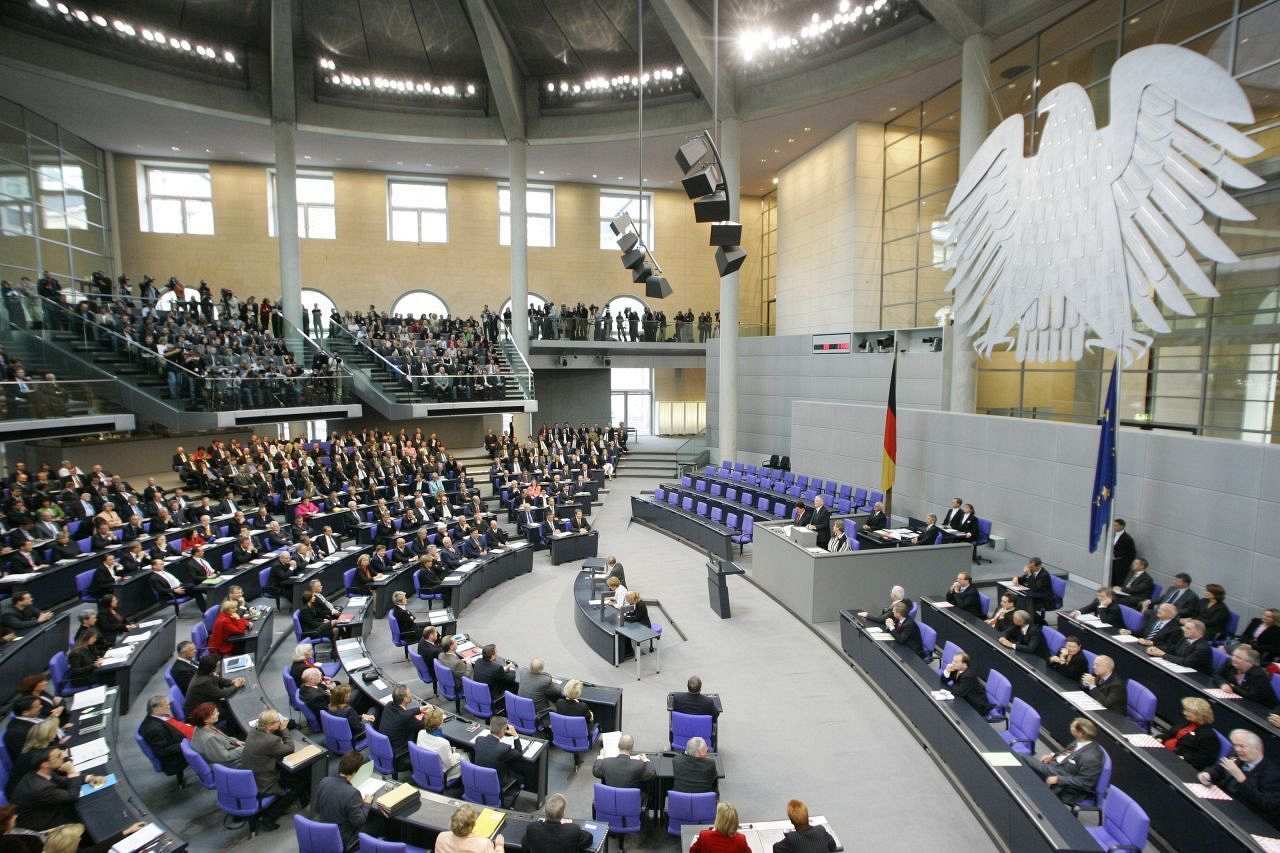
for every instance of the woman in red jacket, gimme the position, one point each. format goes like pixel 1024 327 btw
pixel 723 836
pixel 226 626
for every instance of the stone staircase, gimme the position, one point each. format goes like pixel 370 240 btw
pixel 392 387
pixel 649 464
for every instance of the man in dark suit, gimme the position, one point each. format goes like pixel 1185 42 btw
pixel 1137 587
pixel 821 521
pixel 905 630
pixel 25 716
pixel 951 518
pixel 184 667
pixel 492 751
pixel 1122 552
pixel 337 801
pixel 963 683
pixel 1039 587
pixel 1194 650
pixel 964 595
pixel 165 741
pixel 966 526
pixel 449 554
pixel 539 687
pixel 615 570
pixel 1073 773
pixel 1105 686
pixel 1244 676
pixel 496 535
pixel 1159 627
pixel 553 835
pixel 1263 634
pixel 1180 595
pixel 46 798
pixel 400 724
pixel 803 514
pixel 622 770
pixel 693 702
pixel 410 631
pixel 1248 776
pixel 328 541
pixel 928 535
pixel 496 672
pixel 876 520
pixel 694 770
pixel 1024 635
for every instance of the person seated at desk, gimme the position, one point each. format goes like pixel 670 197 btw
pixel 110 621
pixel 400 553
pixel 624 770
pixel 237 524
pixel 1180 594
pixel 496 672
pixel 304 658
pixel 473 546
pixel 340 707
pixel 37 686
pixel 694 770
pixel 554 834
pixel 1105 686
pixel 183 668
pixel 361 584
pixel 1024 635
pixel 839 541
pixel 213 744
pixel 1248 776
pixel 458 838
pixel 267 743
pixel 23 561
pixel 635 610
pixel 449 657
pixel 1213 612
pixel 208 686
pixel 89 622
pixel 84 658
pixel 1137 587
pixel 312 691
pixel 803 837
pixel 429 571
pixel 280 577
pixel 1194 650
pixel 958 677
pixel 338 802
pixel 955 512
pixel 274 538
pixel 1073 773
pixel 197 566
pixel 244 551
pixel 64 547
pixel 327 542
pixel 722 836
pixel 1263 635
pixel 1244 676
pixel 876 520
pixel 896 594
pixel 135 559
pixel 1104 607
pixel 492 750
pixel 539 687
pixel 1160 627
pixel 617 593
pixel 579 523
pixel 46 797
pixel 227 626
pixel 964 595
pixel 313 618
pixel 133 529
pixel 1195 742
pixel 400 724
pixel 420 543
pixel 905 630
pixel 164 734
pixel 966 526
pixel 410 631
pixel 930 533
pixel 306 508
pixel 102 537
pixel 1070 661
pixel 105 576
pixel 450 556
pixel 570 704
pixel 432 738
pixel 496 535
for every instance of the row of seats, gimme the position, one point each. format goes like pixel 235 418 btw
pixel 742 527
pixel 843 497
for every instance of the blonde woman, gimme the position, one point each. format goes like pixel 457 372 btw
pixel 459 839
pixel 723 836
pixel 1195 742
pixel 66 839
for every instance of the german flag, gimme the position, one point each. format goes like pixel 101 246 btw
pixel 889 464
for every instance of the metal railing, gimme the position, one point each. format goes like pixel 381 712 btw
pixel 588 329
pixel 693 453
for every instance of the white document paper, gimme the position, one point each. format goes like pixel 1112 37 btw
pixel 358 601
pixel 91 763
pixel 941 695
pixel 609 744
pixel 1001 759
pixel 1219 693
pixel 150 623
pixel 89 698
pixel 138 638
pixel 1083 700
pixel 1174 667
pixel 137 840
pixel 1144 740
pixel 1125 638
pixel 359 663
pixel 83 752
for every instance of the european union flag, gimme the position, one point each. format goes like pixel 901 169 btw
pixel 1104 475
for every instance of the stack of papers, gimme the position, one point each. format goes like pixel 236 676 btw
pixel 1144 740
pixel 83 752
pixel 357 601
pixel 1219 693
pixel 1083 700
pixel 360 663
pixel 118 654
pixel 138 638
pixel 89 698
pixel 138 840
pixel 1270 845
pixel 1125 638
pixel 609 744
pixel 150 623
pixel 1001 759
pixel 941 695
pixel 1207 792
pixel 1174 667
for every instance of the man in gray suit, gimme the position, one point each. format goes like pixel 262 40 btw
pixel 539 687
pixel 624 770
pixel 1073 773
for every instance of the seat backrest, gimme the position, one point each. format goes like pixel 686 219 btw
pixel 237 790
pixel 928 639
pixel 1219 656
pixel 685 726
pixel 763 504
pixel 264 578
pixel 210 614
pixel 1089 658
pixel 875 497
pixel 686 481
pixel 780 510
pixel 1104 778
pixel 384 759
pixel 395 627
pixel 1233 622
pixel 717 515
pixel 197 763
pixel 732 521
pixel 1224 745
pixel 702 508
pixel 621 807
pixel 316 837
pixel 60 671
pixel 748 524
pixel 146 750
pixel 687 504
pixel 426 770
pixel 985 601
pixel 522 713
pixel 83 580
pixel 731 494
pixel 569 732
pixel 1141 703
pixel 859 496
pixel 716 490
pixel 673 499
pixel 1053 639
pixel 843 506
pixel 338 737
pixel 984 531
pixel 369 844
pixel 949 650
pixel 1125 820
pixel 445 683
pixel 297 627
pixel 1132 618
pixel 477 698
pixel 999 690
pixel 1024 721
pixel 177 701
pixel 659 494
pixel 420 666
pixel 481 785
pixel 685 808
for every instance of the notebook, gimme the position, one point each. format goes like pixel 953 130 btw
pixel 488 823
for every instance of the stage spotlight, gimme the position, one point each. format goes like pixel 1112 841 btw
pixel 711 208
pixel 726 234
pixel 633 258
pixel 622 223
pixel 641 273
pixel 627 241
pixel 657 287
pixel 729 258
pixel 702 182
pixel 689 155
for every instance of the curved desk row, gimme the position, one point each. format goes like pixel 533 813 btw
pixel 703 534
pixel 1155 777
pixel 569 547
pixel 602 627
pixel 30 653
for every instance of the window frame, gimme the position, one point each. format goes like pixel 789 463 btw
pixel 304 208
pixel 647 227
pixel 550 216
pixel 393 310
pixel 146 197
pixel 391 209
pixel 50 213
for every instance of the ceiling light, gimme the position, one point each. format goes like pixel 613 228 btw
pixel 594 175
pixel 82 16
pixel 775 182
pixel 818 33
pixel 99 20
pixel 43 4
pixel 174 148
pixel 306 156
pixel 62 7
pixel 540 172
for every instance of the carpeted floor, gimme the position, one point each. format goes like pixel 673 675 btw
pixel 798 721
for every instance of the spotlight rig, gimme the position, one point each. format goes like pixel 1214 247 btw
pixel 637 257
pixel 704 183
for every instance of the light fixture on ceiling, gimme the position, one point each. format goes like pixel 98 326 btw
pixel 775 182
pixel 174 148
pixel 329 73
pixel 120 28
pixel 819 33
pixel 656 81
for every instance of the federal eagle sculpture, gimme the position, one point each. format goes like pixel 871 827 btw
pixel 1070 244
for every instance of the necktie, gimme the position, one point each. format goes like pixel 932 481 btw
pixel 1155 628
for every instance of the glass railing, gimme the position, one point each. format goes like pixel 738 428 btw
pixel 192 377
pixel 38 399
pixel 693 453
pixel 588 329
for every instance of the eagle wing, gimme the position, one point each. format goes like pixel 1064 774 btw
pixel 1169 141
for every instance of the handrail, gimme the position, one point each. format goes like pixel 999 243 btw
pixel 130 344
pixel 362 345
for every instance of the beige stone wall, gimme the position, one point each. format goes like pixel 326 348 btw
pixel 362 267
pixel 679 383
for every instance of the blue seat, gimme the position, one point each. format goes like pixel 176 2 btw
pixel 619 807
pixel 349 578
pixel 684 726
pixel 384 759
pixel 985 601
pixel 1053 639
pixel 999 695
pixel 338 737
pixel 1140 705
pixel 264 583
pixel 1125 825
pixel 716 490
pixel 1219 656
pixel 859 497
pixel 396 640
pixel 717 515
pixel 571 734
pixel 846 491
pixel 426 771
pixel 748 525
pixel 949 650
pixel 424 595
pixel 1094 802
pixel 420 666
pixel 659 494
pixel 702 509
pixel 238 794
pixel 687 504
pixel 176 702
pixel 673 499
pixel 928 640
pixel 200 636
pixel 521 713
pixel 148 752
pixel 1059 590
pixel 83 581
pixel 446 685
pixel 694 809
pixel 477 698
pixel 483 786
pixel 314 640
pixel 60 673
pixel 1224 745
pixel 210 614
pixel 1024 727
pixel 369 844
pixel 204 773
pixel 316 837
pixel 700 485
pixel 1132 618
pixel 842 506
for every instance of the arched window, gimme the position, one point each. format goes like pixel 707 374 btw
pixel 315 298
pixel 535 301
pixel 620 303
pixel 415 303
